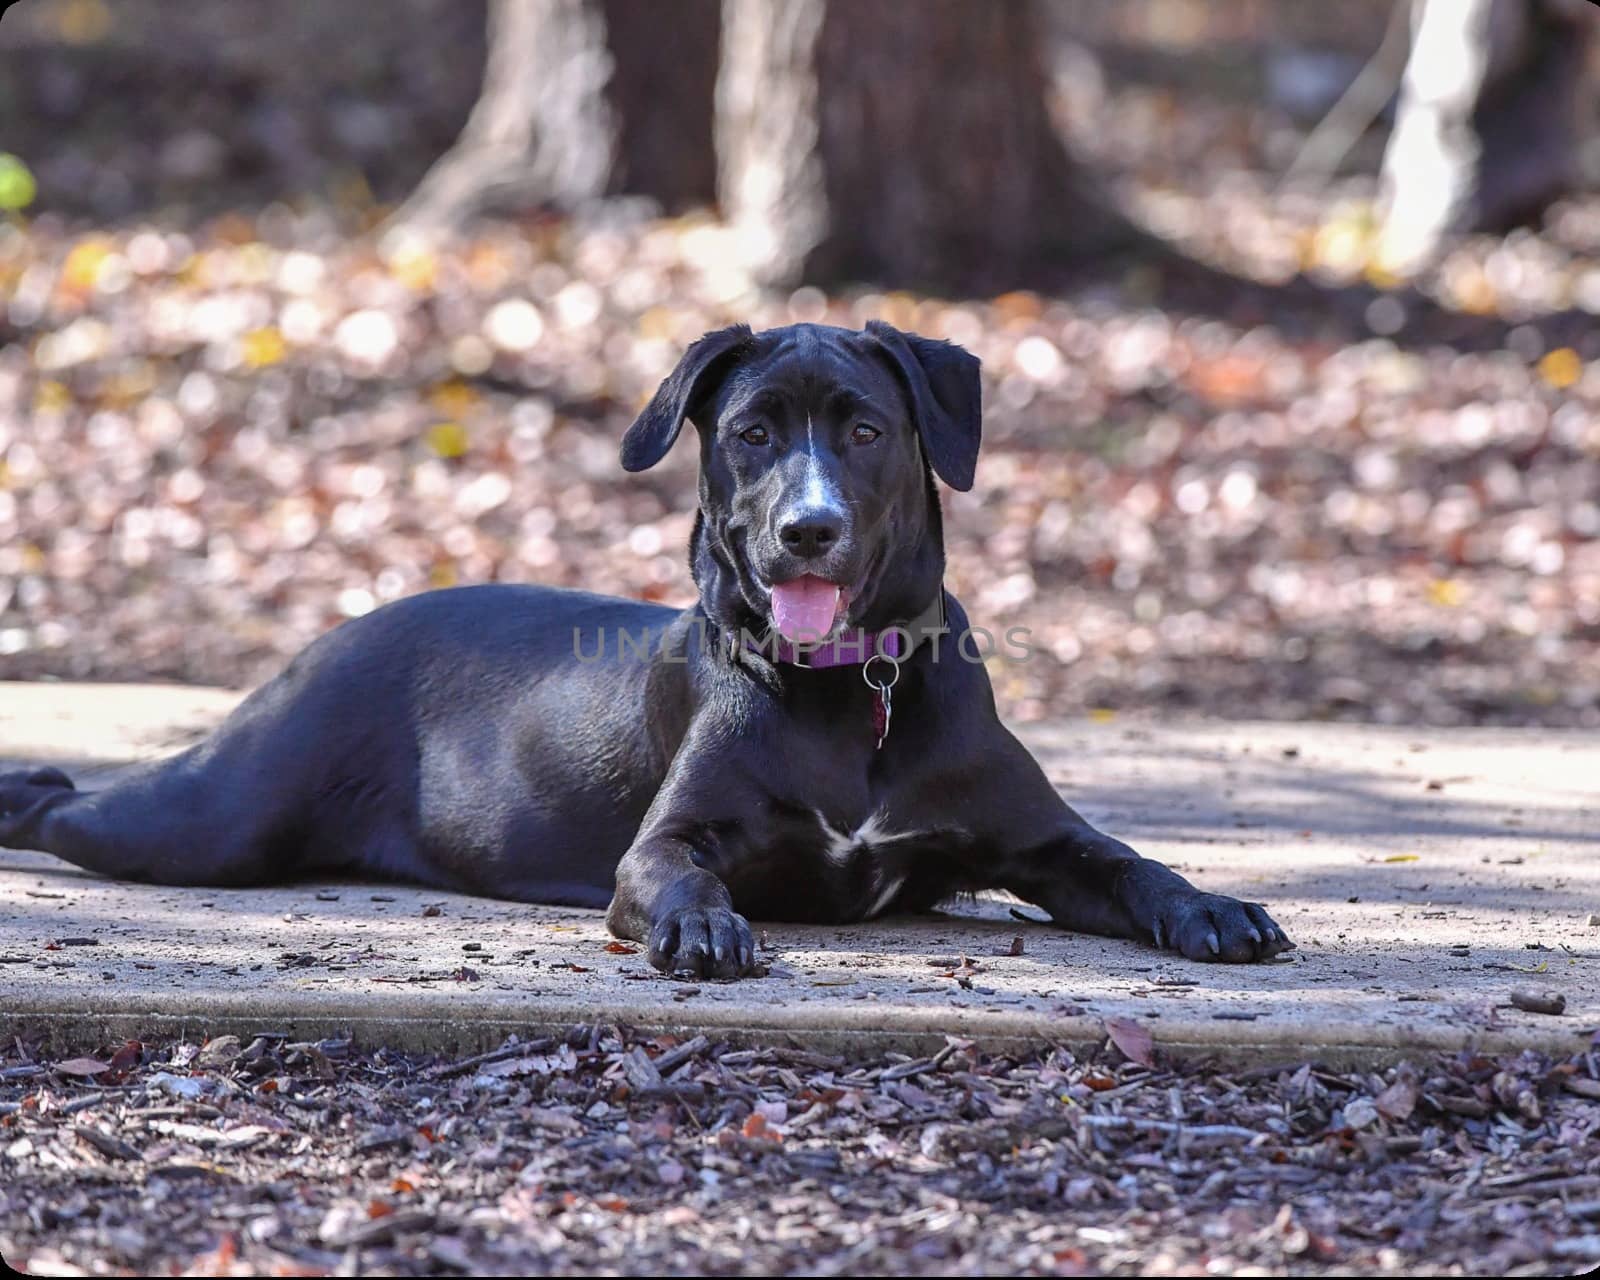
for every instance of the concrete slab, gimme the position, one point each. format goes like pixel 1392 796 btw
pixel 1425 874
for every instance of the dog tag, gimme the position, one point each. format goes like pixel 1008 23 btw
pixel 882 703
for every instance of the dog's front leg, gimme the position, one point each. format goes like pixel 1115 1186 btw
pixel 1092 882
pixel 683 911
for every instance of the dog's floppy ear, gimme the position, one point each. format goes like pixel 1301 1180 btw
pixel 946 399
pixel 658 424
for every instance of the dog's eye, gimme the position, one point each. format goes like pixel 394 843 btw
pixel 754 435
pixel 863 434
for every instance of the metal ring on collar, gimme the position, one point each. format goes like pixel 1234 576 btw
pixel 866 670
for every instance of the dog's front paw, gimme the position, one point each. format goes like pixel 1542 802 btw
pixel 1209 926
pixel 710 942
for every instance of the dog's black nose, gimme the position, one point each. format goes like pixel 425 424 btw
pixel 811 533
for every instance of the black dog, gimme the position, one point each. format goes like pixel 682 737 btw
pixel 815 739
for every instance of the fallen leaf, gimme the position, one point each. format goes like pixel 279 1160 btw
pixel 1446 593
pixel 127 1057
pixel 263 348
pixel 448 439
pixel 552 1119
pixel 82 1067
pixel 1398 1100
pixel 1134 1040
pixel 757 1126
pixel 218 1261
pixel 1561 368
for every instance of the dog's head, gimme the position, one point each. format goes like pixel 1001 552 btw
pixel 817 451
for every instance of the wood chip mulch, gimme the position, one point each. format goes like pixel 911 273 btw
pixel 604 1152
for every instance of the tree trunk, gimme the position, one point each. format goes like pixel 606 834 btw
pixel 582 99
pixel 666 54
pixel 1494 105
pixel 908 144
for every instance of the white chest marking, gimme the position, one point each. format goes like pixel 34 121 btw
pixel 843 847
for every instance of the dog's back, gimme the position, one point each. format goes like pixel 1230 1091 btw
pixel 440 739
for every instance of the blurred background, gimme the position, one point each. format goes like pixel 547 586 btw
pixel 1286 311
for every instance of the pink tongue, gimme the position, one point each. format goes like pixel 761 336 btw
pixel 804 609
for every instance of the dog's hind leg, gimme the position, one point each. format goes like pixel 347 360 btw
pixel 302 773
pixel 166 823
